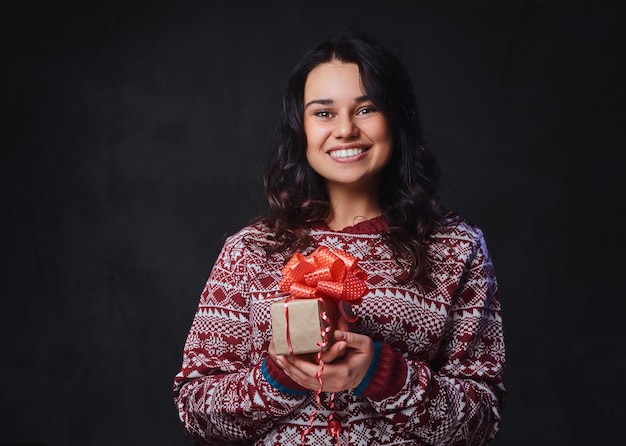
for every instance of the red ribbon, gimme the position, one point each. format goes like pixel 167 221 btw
pixel 324 273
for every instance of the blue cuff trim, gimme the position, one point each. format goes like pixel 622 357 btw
pixel 370 372
pixel 276 384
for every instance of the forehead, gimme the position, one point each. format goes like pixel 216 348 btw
pixel 332 80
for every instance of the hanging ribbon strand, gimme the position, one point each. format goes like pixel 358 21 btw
pixel 324 273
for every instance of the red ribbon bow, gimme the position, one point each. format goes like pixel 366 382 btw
pixel 324 273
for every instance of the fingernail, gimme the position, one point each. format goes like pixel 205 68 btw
pixel 339 335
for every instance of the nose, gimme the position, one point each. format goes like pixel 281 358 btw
pixel 345 127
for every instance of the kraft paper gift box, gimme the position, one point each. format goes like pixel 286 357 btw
pixel 306 323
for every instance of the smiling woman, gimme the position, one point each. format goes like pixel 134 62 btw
pixel 422 360
pixel 348 141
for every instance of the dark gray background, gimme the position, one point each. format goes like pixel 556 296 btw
pixel 132 140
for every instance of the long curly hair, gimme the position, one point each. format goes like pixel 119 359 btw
pixel 297 195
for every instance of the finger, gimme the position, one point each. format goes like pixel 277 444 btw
pixel 354 340
pixel 271 351
pixel 296 363
pixel 337 350
pixel 343 335
pixel 303 372
pixel 342 324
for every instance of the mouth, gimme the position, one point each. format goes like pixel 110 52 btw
pixel 348 152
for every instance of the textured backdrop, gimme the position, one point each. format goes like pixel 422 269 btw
pixel 132 140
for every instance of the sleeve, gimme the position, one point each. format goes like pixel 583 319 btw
pixel 456 400
pixel 221 391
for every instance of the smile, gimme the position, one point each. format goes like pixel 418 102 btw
pixel 346 153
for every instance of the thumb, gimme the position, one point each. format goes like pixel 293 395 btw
pixel 356 342
pixel 342 324
pixel 351 339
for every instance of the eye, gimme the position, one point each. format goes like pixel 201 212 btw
pixel 367 110
pixel 323 114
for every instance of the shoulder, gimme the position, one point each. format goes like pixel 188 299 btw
pixel 250 236
pixel 248 242
pixel 456 238
pixel 457 227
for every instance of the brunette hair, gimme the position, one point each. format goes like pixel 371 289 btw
pixel 297 195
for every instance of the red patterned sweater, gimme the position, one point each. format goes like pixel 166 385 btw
pixel 437 377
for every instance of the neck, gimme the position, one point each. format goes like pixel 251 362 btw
pixel 349 207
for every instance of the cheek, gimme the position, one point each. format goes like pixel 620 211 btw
pixel 310 146
pixel 385 132
pixel 381 133
pixel 385 138
pixel 309 134
pixel 387 135
pixel 314 136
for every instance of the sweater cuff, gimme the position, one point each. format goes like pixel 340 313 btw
pixel 386 375
pixel 279 380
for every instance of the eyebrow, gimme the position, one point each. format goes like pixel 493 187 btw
pixel 330 101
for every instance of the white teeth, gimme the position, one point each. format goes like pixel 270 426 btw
pixel 346 153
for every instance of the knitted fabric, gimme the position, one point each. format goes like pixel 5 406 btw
pixel 437 378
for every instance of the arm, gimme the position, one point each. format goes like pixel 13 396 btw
pixel 220 392
pixel 457 400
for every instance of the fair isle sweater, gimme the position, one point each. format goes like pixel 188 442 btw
pixel 436 378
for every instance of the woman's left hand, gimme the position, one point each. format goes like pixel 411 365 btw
pixel 345 364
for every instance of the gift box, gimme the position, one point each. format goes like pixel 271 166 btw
pixel 315 285
pixel 301 326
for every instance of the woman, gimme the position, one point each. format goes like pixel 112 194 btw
pixel 423 363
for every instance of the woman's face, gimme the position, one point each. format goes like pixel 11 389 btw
pixel 348 140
